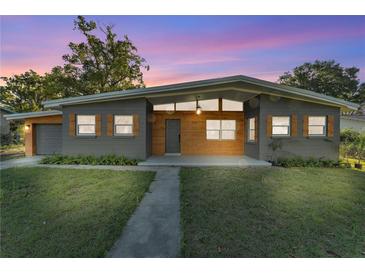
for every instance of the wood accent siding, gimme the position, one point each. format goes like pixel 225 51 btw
pixel 30 137
pixel 193 133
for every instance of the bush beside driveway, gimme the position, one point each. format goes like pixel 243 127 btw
pixel 273 212
pixel 50 212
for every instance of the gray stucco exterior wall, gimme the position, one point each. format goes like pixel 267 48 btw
pixel 132 147
pixel 149 122
pixel 298 146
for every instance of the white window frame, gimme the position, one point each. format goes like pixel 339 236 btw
pixel 324 126
pixel 220 130
pixel 78 125
pixel 121 125
pixel 251 129
pixel 286 126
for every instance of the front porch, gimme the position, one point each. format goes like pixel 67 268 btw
pixel 203 161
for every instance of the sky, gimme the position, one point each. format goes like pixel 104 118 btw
pixel 187 48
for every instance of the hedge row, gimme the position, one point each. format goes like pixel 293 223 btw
pixel 111 159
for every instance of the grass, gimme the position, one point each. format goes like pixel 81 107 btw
pixel 273 212
pixel 11 152
pixel 50 212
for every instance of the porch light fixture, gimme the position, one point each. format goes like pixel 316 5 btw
pixel 27 128
pixel 198 110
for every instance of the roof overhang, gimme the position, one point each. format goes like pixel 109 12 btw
pixel 237 83
pixel 26 115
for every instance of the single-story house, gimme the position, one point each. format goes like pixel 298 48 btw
pixel 235 115
pixel 354 122
pixel 4 123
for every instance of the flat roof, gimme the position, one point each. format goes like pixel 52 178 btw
pixel 24 115
pixel 180 87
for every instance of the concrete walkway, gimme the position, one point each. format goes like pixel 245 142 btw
pixel 203 161
pixel 25 161
pixel 154 228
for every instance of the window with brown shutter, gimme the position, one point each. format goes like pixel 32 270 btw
pixel 72 125
pixel 269 126
pixel 293 125
pixel 135 125
pixel 109 127
pixel 330 125
pixel 98 125
pixel 305 125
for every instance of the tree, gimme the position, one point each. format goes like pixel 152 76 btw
pixel 97 66
pixel 93 66
pixel 329 78
pixel 24 92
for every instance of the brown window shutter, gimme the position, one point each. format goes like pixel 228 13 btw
pixel 293 125
pixel 135 125
pixel 110 125
pixel 72 124
pixel 256 129
pixel 269 126
pixel 330 125
pixel 305 125
pixel 98 125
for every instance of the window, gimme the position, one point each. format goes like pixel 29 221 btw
pixel 209 105
pixel 317 125
pixel 85 124
pixel 281 125
pixel 251 129
pixel 221 129
pixel 123 124
pixel 230 105
pixel 186 106
pixel 164 107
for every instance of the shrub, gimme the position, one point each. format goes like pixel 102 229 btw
pixel 309 162
pixel 359 147
pixel 349 136
pixel 110 159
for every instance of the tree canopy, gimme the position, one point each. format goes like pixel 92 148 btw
pixel 24 92
pixel 329 78
pixel 100 66
pixel 93 66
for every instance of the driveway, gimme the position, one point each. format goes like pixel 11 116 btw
pixel 19 162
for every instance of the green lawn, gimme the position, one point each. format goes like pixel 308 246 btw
pixel 273 212
pixel 50 212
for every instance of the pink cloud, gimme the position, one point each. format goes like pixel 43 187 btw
pixel 260 39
